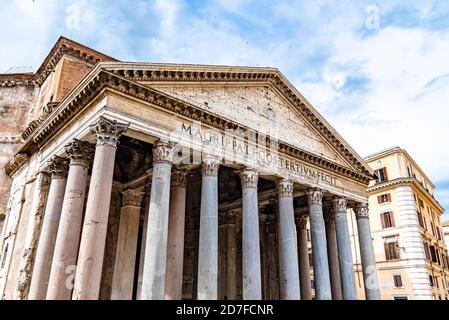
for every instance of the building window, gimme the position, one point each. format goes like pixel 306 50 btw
pixel 391 249
pixel 387 220
pixel 381 175
pixel 438 233
pixel 431 281
pixel 420 203
pixel 409 172
pixel 433 254
pixel 420 220
pixel 386 197
pixel 433 228
pixel 397 281
pixel 426 250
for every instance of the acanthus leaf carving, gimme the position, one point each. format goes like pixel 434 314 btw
pixel 249 178
pixel 58 167
pixel 210 166
pixel 179 178
pixel 107 131
pixel 285 188
pixel 361 211
pixel 314 196
pixel 79 152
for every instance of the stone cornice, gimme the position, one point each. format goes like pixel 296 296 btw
pixel 101 79
pixel 16 79
pixel 403 181
pixel 34 124
pixel 285 188
pixel 15 163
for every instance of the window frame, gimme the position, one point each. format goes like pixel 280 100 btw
pixel 383 219
pixel 394 281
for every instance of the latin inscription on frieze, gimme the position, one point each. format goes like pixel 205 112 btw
pixel 260 154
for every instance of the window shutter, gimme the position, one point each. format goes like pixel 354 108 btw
pixel 385 173
pixel 389 197
pixel 391 218
pixel 382 220
pixel 379 199
pixel 387 253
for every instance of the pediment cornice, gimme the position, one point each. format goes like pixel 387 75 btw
pixel 101 79
pixel 182 73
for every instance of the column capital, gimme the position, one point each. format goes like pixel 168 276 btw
pixel 329 214
pixel 179 178
pixel 58 167
pixel 210 166
pixel 302 221
pixel 231 216
pixel 132 197
pixel 43 180
pixel 79 152
pixel 314 196
pixel 285 188
pixel 107 131
pixel 249 178
pixel 163 151
pixel 361 211
pixel 339 204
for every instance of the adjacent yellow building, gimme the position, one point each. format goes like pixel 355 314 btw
pixel 411 254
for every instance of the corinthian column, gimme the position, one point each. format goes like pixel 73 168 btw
pixel 58 168
pixel 90 259
pixel 155 261
pixel 41 185
pixel 303 255
pixel 125 257
pixel 208 238
pixel 252 281
pixel 288 251
pixel 367 253
pixel 344 250
pixel 147 189
pixel 319 245
pixel 176 226
pixel 67 240
pixel 332 254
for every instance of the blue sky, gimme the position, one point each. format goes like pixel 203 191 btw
pixel 377 70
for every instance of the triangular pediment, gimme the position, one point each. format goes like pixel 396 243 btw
pixel 324 140
pixel 258 107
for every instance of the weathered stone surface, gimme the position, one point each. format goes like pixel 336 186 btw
pixel 260 108
pixel 16 110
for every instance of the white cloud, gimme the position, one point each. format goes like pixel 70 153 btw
pixel 400 64
pixel 168 10
pixel 26 25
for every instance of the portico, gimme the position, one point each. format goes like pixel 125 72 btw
pixel 173 192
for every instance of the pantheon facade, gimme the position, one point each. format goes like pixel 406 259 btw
pixel 128 180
